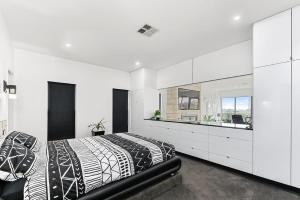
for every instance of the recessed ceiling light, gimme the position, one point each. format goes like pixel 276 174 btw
pixel 137 63
pixel 68 45
pixel 236 18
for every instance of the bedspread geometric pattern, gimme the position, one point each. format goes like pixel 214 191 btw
pixel 76 166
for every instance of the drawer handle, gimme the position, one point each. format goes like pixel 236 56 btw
pixel 228 137
pixel 193 148
pixel 228 157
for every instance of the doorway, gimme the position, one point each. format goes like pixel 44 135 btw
pixel 61 111
pixel 120 111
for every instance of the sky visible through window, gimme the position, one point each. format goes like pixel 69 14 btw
pixel 242 103
pixel 227 103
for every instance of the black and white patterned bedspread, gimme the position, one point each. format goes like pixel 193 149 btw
pixel 76 166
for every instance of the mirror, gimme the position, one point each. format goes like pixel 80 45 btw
pixel 220 101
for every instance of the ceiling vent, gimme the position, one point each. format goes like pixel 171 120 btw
pixel 147 30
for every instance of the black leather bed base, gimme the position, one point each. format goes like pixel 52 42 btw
pixel 123 188
pixel 116 190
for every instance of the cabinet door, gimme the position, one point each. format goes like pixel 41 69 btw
pixel 295 125
pixel 272 40
pixel 272 122
pixel 175 75
pixel 232 61
pixel 296 33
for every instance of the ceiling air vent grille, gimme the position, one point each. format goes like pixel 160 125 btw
pixel 147 30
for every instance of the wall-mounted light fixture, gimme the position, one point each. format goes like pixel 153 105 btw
pixel 4 86
pixel 11 89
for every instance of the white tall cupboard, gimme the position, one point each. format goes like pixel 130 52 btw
pixel 296 33
pixel 272 40
pixel 295 178
pixel 272 122
pixel 296 125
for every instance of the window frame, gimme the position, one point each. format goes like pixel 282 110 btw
pixel 235 97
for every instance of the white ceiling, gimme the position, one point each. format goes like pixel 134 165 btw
pixel 104 32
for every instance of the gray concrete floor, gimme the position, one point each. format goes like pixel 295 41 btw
pixel 205 181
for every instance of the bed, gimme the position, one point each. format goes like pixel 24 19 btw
pixel 101 167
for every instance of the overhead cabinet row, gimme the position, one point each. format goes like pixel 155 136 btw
pixel 232 61
pixel 277 39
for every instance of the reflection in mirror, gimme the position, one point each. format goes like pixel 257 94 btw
pixel 226 101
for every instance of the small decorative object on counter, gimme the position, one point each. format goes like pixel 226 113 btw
pixel 98 128
pixel 157 115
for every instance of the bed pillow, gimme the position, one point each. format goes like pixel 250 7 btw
pixel 28 141
pixel 16 161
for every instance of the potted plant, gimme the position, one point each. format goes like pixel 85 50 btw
pixel 97 128
pixel 157 115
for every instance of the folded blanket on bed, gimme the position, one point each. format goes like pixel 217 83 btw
pixel 74 167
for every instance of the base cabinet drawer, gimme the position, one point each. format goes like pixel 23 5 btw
pixel 235 148
pixel 232 133
pixel 190 139
pixel 191 151
pixel 231 162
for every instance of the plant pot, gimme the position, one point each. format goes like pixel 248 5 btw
pixel 157 117
pixel 97 133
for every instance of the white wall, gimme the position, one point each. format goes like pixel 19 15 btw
pixel 151 94
pixel 144 97
pixel 6 60
pixel 93 91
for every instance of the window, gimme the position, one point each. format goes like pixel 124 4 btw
pixel 236 106
pixel 188 99
pixel 194 104
pixel 183 103
pixel 228 108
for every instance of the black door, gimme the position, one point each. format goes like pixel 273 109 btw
pixel 61 111
pixel 120 111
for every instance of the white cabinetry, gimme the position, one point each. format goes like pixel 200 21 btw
pixel 272 122
pixel 231 147
pixel 296 125
pixel 296 33
pixel 225 146
pixel 272 40
pixel 232 61
pixel 176 75
pixel 190 139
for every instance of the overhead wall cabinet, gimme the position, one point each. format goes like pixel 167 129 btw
pixel 176 75
pixel 272 122
pixel 272 40
pixel 295 125
pixel 229 62
pixel 296 33
pixel 232 61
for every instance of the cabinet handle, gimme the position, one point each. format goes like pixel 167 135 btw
pixel 227 156
pixel 228 137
